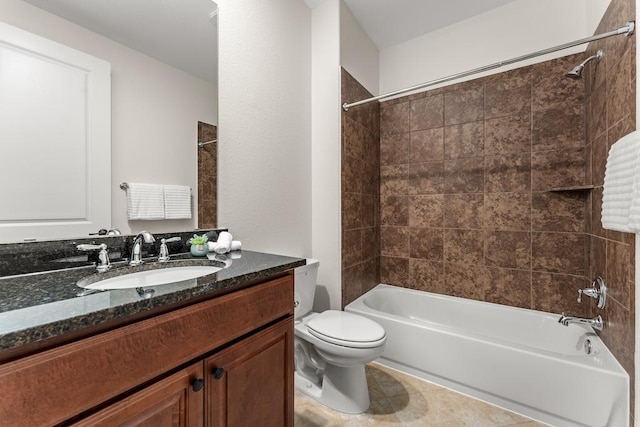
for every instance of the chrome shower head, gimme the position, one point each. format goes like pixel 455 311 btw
pixel 576 73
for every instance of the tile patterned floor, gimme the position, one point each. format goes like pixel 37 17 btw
pixel 398 399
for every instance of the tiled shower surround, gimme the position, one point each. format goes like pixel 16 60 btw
pixel 610 90
pixel 360 193
pixel 207 176
pixel 491 189
pixel 468 179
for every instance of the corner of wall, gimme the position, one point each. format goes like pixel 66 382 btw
pixel 326 152
pixel 358 54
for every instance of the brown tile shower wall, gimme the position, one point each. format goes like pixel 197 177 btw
pixel 360 193
pixel 485 188
pixel 478 195
pixel 207 176
pixel 610 88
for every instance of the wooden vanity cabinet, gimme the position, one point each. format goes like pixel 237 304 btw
pixel 247 384
pixel 146 373
pixel 250 383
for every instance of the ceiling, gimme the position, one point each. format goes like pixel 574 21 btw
pixel 391 22
pixel 184 34
pixel 181 33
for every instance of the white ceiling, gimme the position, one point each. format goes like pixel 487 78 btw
pixel 389 22
pixel 185 33
pixel 181 33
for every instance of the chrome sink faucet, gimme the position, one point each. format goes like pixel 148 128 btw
pixel 595 323
pixel 136 251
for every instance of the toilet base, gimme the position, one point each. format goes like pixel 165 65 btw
pixel 342 389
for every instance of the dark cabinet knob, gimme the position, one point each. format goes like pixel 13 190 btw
pixel 197 384
pixel 218 373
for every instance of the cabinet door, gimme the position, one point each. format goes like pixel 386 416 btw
pixel 174 401
pixel 251 382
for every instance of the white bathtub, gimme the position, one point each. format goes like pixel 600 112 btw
pixel 522 360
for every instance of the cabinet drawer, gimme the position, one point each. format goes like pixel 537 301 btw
pixel 50 387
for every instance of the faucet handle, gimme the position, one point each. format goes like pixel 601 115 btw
pixel 598 283
pixel 103 256
pixel 164 250
pixel 598 290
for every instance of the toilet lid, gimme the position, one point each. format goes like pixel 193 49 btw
pixel 346 329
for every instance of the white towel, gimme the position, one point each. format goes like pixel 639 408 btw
pixel 224 242
pixel 177 202
pixel 236 245
pixel 145 201
pixel 621 192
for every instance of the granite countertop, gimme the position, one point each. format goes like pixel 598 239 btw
pixel 39 306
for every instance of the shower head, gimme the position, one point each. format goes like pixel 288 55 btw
pixel 576 73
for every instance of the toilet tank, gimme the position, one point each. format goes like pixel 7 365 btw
pixel 305 287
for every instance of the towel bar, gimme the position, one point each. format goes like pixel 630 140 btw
pixel 124 186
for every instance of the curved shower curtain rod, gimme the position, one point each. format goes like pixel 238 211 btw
pixel 626 30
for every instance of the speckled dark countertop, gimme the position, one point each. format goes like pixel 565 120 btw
pixel 40 306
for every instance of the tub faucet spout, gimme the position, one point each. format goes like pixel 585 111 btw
pixel 595 323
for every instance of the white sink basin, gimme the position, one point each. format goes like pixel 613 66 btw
pixel 146 278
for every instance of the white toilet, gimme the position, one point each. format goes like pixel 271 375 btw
pixel 331 349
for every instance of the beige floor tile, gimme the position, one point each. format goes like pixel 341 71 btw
pixel 474 413
pixel 401 400
pixel 424 411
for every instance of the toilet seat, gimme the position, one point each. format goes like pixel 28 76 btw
pixel 346 329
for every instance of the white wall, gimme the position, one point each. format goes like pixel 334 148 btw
pixel 358 54
pixel 595 9
pixel 326 152
pixel 509 31
pixel 155 110
pixel 264 149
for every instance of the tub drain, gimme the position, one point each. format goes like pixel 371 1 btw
pixel 587 346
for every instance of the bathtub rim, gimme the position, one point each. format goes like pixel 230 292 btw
pixel 611 364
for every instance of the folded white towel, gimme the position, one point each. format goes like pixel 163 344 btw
pixel 236 245
pixel 621 192
pixel 145 201
pixel 177 202
pixel 224 242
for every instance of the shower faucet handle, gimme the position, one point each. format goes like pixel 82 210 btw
pixel 598 291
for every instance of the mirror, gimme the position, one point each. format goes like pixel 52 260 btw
pixel 163 58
